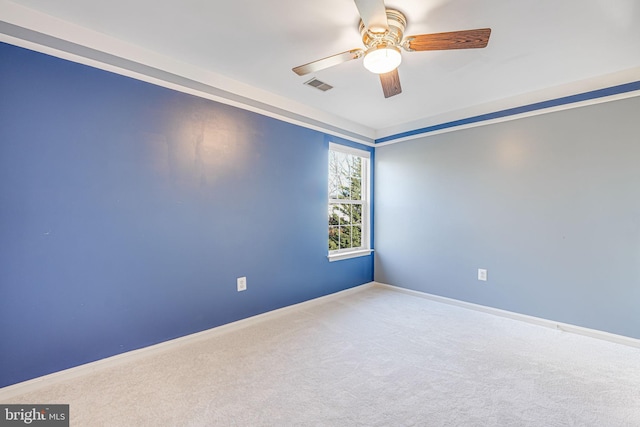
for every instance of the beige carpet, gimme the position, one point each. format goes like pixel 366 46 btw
pixel 372 358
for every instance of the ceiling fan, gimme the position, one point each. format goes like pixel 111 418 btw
pixel 382 33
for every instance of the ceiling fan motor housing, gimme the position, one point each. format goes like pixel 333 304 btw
pixel 396 22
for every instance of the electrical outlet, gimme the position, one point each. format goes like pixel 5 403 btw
pixel 482 274
pixel 241 283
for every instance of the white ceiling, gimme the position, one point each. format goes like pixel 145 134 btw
pixel 538 49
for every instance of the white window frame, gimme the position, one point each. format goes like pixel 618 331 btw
pixel 365 188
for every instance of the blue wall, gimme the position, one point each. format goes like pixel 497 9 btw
pixel 127 211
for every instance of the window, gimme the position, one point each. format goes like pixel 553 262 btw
pixel 348 202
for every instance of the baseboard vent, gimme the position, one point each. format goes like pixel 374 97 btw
pixel 320 85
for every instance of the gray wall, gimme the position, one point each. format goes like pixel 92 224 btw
pixel 550 205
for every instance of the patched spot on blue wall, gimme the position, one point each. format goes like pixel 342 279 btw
pixel 128 210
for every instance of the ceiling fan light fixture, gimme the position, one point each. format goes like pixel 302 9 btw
pixel 382 59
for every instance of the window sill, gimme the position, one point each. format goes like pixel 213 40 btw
pixel 347 255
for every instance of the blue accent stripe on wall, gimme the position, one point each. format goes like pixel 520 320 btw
pixel 571 99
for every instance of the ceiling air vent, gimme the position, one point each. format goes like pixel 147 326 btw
pixel 319 84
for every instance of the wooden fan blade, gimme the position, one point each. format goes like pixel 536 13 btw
pixel 373 14
pixel 390 83
pixel 469 39
pixel 327 62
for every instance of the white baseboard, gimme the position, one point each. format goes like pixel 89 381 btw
pixel 565 327
pixel 119 359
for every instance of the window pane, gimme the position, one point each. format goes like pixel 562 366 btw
pixel 356 166
pixel 334 214
pixel 344 176
pixel 356 214
pixel 345 214
pixel 345 237
pixel 334 186
pixel 335 162
pixel 335 159
pixel 356 189
pixel 356 236
pixel 334 239
pixel 345 164
pixel 343 187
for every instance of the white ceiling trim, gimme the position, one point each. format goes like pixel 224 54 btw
pixel 37 31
